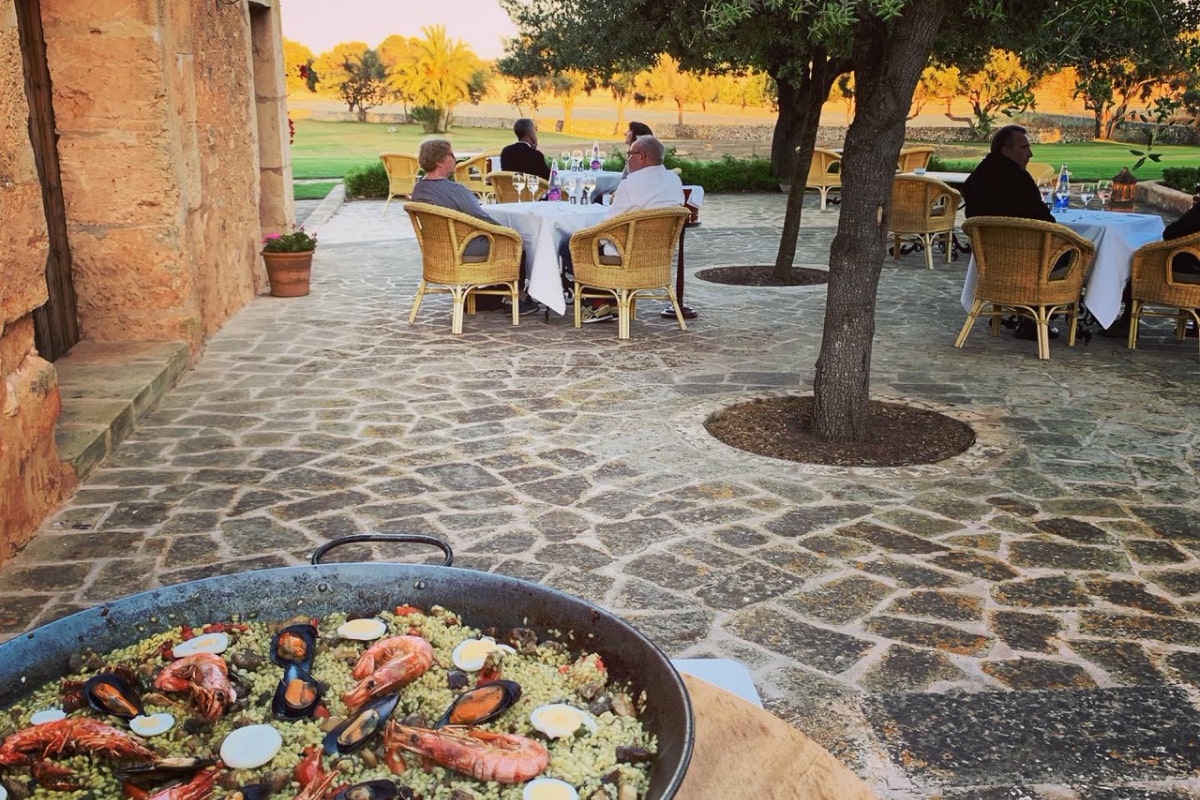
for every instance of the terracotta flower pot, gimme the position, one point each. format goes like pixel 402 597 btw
pixel 289 273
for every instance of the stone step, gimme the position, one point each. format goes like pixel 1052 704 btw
pixel 106 387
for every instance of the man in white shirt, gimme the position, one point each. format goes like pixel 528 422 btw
pixel 649 184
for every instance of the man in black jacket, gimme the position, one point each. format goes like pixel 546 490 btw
pixel 1000 186
pixel 523 155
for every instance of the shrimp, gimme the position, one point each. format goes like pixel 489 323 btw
pixel 409 657
pixel 484 755
pixel 206 676
pixel 386 650
pixel 198 788
pixel 28 746
pixel 318 788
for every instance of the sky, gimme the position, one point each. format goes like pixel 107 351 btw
pixel 320 24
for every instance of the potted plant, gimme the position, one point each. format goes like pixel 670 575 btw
pixel 288 257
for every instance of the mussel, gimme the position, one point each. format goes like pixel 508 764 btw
pixel 359 727
pixel 113 694
pixel 481 704
pixel 295 644
pixel 381 789
pixel 164 769
pixel 254 791
pixel 297 695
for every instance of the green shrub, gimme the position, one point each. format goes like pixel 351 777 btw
pixel 367 181
pixel 1182 178
pixel 729 174
pixel 937 165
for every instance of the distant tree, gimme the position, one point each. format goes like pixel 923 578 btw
pixel 297 64
pixel 567 86
pixel 527 92
pixel 438 73
pixel 396 54
pixel 353 72
pixel 667 81
pixel 1001 85
pixel 933 85
pixel 621 86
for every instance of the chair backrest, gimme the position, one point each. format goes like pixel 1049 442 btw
pixel 1039 171
pixel 472 174
pixel 1152 276
pixel 922 205
pixel 914 157
pixel 443 234
pixel 825 169
pixel 402 171
pixel 645 242
pixel 502 187
pixel 1015 257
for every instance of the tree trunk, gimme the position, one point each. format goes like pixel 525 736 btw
pixel 806 121
pixel 785 137
pixel 679 112
pixel 888 59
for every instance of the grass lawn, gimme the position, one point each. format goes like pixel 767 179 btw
pixel 329 149
pixel 313 191
pixel 1090 161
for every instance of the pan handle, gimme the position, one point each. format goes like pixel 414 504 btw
pixel 418 538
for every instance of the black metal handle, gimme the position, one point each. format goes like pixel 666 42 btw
pixel 417 538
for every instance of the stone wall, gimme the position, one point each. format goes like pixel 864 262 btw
pixel 31 478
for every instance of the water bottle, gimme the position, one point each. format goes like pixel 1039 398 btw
pixel 554 192
pixel 596 162
pixel 1062 192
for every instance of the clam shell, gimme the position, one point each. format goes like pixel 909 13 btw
pixel 361 725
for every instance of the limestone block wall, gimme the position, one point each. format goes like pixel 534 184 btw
pixel 158 149
pixel 31 478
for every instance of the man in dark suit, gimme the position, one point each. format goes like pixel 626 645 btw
pixel 523 155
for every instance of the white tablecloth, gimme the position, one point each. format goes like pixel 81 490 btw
pixel 954 179
pixel 544 227
pixel 1116 236
pixel 693 195
pixel 606 180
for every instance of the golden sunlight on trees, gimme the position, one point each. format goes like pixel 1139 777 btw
pixel 567 86
pixel 352 72
pixel 438 73
pixel 667 82
pixel 1003 85
pixel 296 60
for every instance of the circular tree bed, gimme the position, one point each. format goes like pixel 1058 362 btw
pixel 761 276
pixel 898 435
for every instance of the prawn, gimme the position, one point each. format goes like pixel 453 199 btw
pixel 198 788
pixel 206 676
pixel 484 755
pixel 28 746
pixel 409 657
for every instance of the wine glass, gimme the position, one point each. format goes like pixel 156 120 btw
pixel 1104 192
pixel 566 159
pixel 576 159
pixel 571 186
pixel 1086 192
pixel 519 183
pixel 1047 192
pixel 589 185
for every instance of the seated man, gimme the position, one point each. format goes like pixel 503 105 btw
pixel 1000 186
pixel 636 131
pixel 436 157
pixel 648 185
pixel 523 155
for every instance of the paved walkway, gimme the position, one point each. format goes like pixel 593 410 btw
pixel 1020 621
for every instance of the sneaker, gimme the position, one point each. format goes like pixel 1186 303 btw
pixel 604 313
pixel 529 306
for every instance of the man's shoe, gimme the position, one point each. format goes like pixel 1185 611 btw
pixel 604 313
pixel 529 306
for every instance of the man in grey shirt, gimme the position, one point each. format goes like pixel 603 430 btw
pixel 436 157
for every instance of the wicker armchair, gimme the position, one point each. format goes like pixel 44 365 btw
pixel 645 243
pixel 402 171
pixel 824 173
pixel 1153 282
pixel 923 208
pixel 502 187
pixel 1014 258
pixel 472 174
pixel 913 158
pixel 443 235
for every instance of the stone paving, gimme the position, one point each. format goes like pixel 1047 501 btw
pixel 1019 621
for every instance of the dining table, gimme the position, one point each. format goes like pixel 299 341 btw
pixel 1116 235
pixel 545 227
pixel 606 180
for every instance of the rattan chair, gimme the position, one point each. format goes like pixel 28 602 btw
pixel 1154 283
pixel 923 208
pixel 402 171
pixel 502 187
pixel 1014 258
pixel 824 173
pixel 472 174
pixel 443 235
pixel 913 158
pixel 1039 171
pixel 642 267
